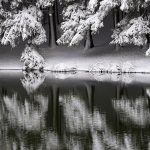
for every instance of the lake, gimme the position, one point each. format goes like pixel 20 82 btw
pixel 56 111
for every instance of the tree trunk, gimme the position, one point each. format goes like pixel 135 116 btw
pixel 44 18
pixel 56 13
pixel 116 20
pixel 141 11
pixel 52 28
pixel 148 40
pixel 88 41
pixel 116 17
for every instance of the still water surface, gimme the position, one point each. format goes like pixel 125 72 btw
pixel 37 113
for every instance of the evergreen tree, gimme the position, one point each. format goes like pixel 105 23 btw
pixel 21 23
pixel 83 19
pixel 134 27
pixel 77 24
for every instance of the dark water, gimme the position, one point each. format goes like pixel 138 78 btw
pixel 37 113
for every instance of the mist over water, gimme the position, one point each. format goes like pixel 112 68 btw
pixel 39 113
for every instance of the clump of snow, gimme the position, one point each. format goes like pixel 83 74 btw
pixel 124 67
pixel 32 80
pixel 63 67
pixel 127 67
pixel 97 67
pixel 147 53
pixel 32 59
pixel 120 67
pixel 114 67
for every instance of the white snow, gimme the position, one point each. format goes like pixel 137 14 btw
pixel 64 59
pixel 32 59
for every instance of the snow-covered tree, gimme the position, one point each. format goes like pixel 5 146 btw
pixel 77 25
pixel 32 80
pixel 22 20
pixel 131 31
pixel 134 27
pixel 85 18
pixel 26 25
pixel 32 59
pixel 20 13
pixel 53 13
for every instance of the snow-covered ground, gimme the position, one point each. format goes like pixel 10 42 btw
pixel 98 59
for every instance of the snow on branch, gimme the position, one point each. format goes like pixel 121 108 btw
pixel 32 59
pixel 131 32
pixel 127 5
pixel 24 24
pixel 93 4
pixel 74 16
pixel 44 3
pixel 78 19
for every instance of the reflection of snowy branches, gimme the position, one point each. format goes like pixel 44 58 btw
pixel 148 92
pixel 75 113
pixel 83 128
pixel 78 118
pixel 51 141
pixel 26 118
pixel 27 115
pixel 135 110
pixel 81 121
pixel 126 78
pixel 32 80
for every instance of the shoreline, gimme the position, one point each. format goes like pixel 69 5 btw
pixel 56 77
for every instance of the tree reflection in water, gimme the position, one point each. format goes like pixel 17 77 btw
pixel 135 110
pixel 32 80
pixel 79 125
pixel 82 124
pixel 27 115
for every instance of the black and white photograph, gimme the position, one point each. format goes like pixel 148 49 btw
pixel 74 74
